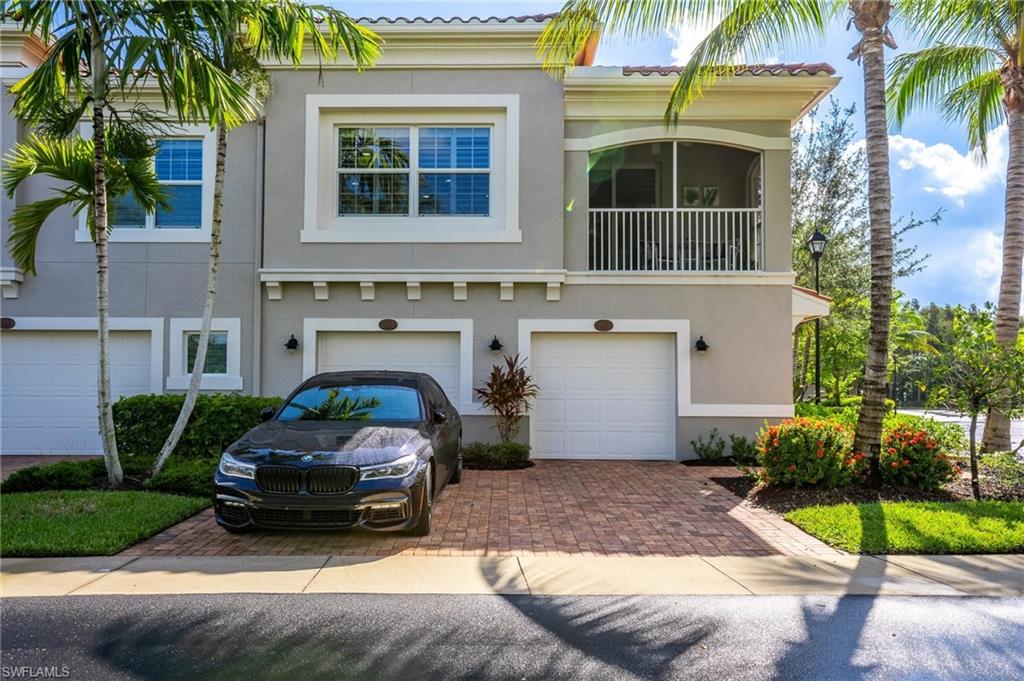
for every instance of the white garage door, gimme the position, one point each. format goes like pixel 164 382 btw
pixel 604 396
pixel 431 352
pixel 48 386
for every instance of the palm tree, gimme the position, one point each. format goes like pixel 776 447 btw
pixel 759 27
pixel 974 72
pixel 100 49
pixel 276 29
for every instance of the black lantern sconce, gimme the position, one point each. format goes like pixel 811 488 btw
pixel 701 345
pixel 292 344
pixel 495 345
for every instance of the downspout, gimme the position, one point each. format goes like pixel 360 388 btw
pixel 257 311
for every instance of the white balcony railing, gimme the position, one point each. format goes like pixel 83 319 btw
pixel 676 240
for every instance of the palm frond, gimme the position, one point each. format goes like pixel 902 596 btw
pixel 979 103
pixel 26 221
pixel 924 78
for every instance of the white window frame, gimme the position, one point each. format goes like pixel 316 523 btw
pixel 179 377
pixel 326 113
pixel 150 233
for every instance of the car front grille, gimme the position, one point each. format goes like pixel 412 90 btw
pixel 297 517
pixel 331 479
pixel 232 514
pixel 389 514
pixel 279 479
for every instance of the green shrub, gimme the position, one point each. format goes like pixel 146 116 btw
pixel 188 477
pixel 84 474
pixel 950 436
pixel 712 450
pixel 911 457
pixel 496 456
pixel 743 451
pixel 142 422
pixel 804 451
pixel 844 415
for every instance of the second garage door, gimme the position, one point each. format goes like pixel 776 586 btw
pixel 607 396
pixel 48 387
pixel 432 352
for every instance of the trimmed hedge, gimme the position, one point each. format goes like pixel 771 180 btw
pixel 496 456
pixel 142 423
pixel 949 435
pixel 188 477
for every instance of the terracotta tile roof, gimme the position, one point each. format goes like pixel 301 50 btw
pixel 811 292
pixel 795 69
pixel 535 18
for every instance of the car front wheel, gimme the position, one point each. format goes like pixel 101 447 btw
pixel 457 473
pixel 422 526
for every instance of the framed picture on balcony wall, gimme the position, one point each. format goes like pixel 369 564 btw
pixel 692 196
pixel 709 196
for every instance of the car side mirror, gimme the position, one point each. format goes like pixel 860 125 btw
pixel 440 418
pixel 266 413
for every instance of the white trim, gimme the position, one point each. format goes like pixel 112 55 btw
pixel 289 274
pixel 11 279
pixel 311 326
pixel 154 325
pixel 740 410
pixel 178 378
pixel 320 223
pixel 150 234
pixel 807 306
pixel 695 133
pixel 681 278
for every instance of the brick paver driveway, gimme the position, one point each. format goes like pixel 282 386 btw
pixel 556 507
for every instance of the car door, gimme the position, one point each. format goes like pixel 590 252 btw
pixel 445 436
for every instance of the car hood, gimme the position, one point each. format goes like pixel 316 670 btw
pixel 352 443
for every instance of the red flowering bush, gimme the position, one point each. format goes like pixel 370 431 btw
pixel 805 451
pixel 912 458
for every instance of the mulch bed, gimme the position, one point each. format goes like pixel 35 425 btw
pixel 784 499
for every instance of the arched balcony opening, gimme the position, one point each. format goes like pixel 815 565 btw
pixel 675 206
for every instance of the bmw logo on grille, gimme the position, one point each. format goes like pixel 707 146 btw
pixel 307 457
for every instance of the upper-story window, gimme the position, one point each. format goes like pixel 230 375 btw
pixel 414 171
pixel 412 168
pixel 179 169
pixel 184 166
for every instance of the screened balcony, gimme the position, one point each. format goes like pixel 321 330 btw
pixel 675 207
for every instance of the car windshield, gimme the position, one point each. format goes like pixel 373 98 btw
pixel 354 403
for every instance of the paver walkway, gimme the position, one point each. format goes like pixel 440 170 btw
pixel 607 508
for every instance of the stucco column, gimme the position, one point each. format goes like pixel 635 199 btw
pixel 777 211
pixel 577 202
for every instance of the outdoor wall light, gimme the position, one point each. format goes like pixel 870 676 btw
pixel 495 345
pixel 292 344
pixel 701 345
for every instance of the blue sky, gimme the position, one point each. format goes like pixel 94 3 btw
pixel 931 165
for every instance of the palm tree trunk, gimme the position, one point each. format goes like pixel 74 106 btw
pixel 997 424
pixel 115 477
pixel 195 381
pixel 871 19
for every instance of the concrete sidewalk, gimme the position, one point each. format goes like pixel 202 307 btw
pixel 996 575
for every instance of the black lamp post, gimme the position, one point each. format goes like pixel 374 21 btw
pixel 816 245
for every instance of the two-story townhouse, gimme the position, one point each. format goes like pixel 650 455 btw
pixel 452 204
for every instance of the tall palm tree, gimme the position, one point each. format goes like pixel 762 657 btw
pixel 101 51
pixel 973 71
pixel 759 27
pixel 276 29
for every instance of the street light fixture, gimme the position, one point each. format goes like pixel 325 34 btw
pixel 816 245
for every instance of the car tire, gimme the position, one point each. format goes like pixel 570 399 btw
pixel 457 473
pixel 423 523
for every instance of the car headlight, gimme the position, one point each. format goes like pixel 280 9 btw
pixel 399 468
pixel 234 468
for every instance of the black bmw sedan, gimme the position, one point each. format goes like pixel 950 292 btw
pixel 356 448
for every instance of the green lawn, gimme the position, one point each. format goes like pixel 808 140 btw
pixel 86 522
pixel 917 526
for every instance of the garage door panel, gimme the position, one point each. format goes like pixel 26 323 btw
pixel 48 387
pixel 620 399
pixel 432 352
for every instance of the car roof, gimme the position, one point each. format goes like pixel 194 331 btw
pixel 413 378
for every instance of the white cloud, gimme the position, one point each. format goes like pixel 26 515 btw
pixel 984 258
pixel 949 172
pixel 686 38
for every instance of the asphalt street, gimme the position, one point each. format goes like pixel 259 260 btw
pixel 326 636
